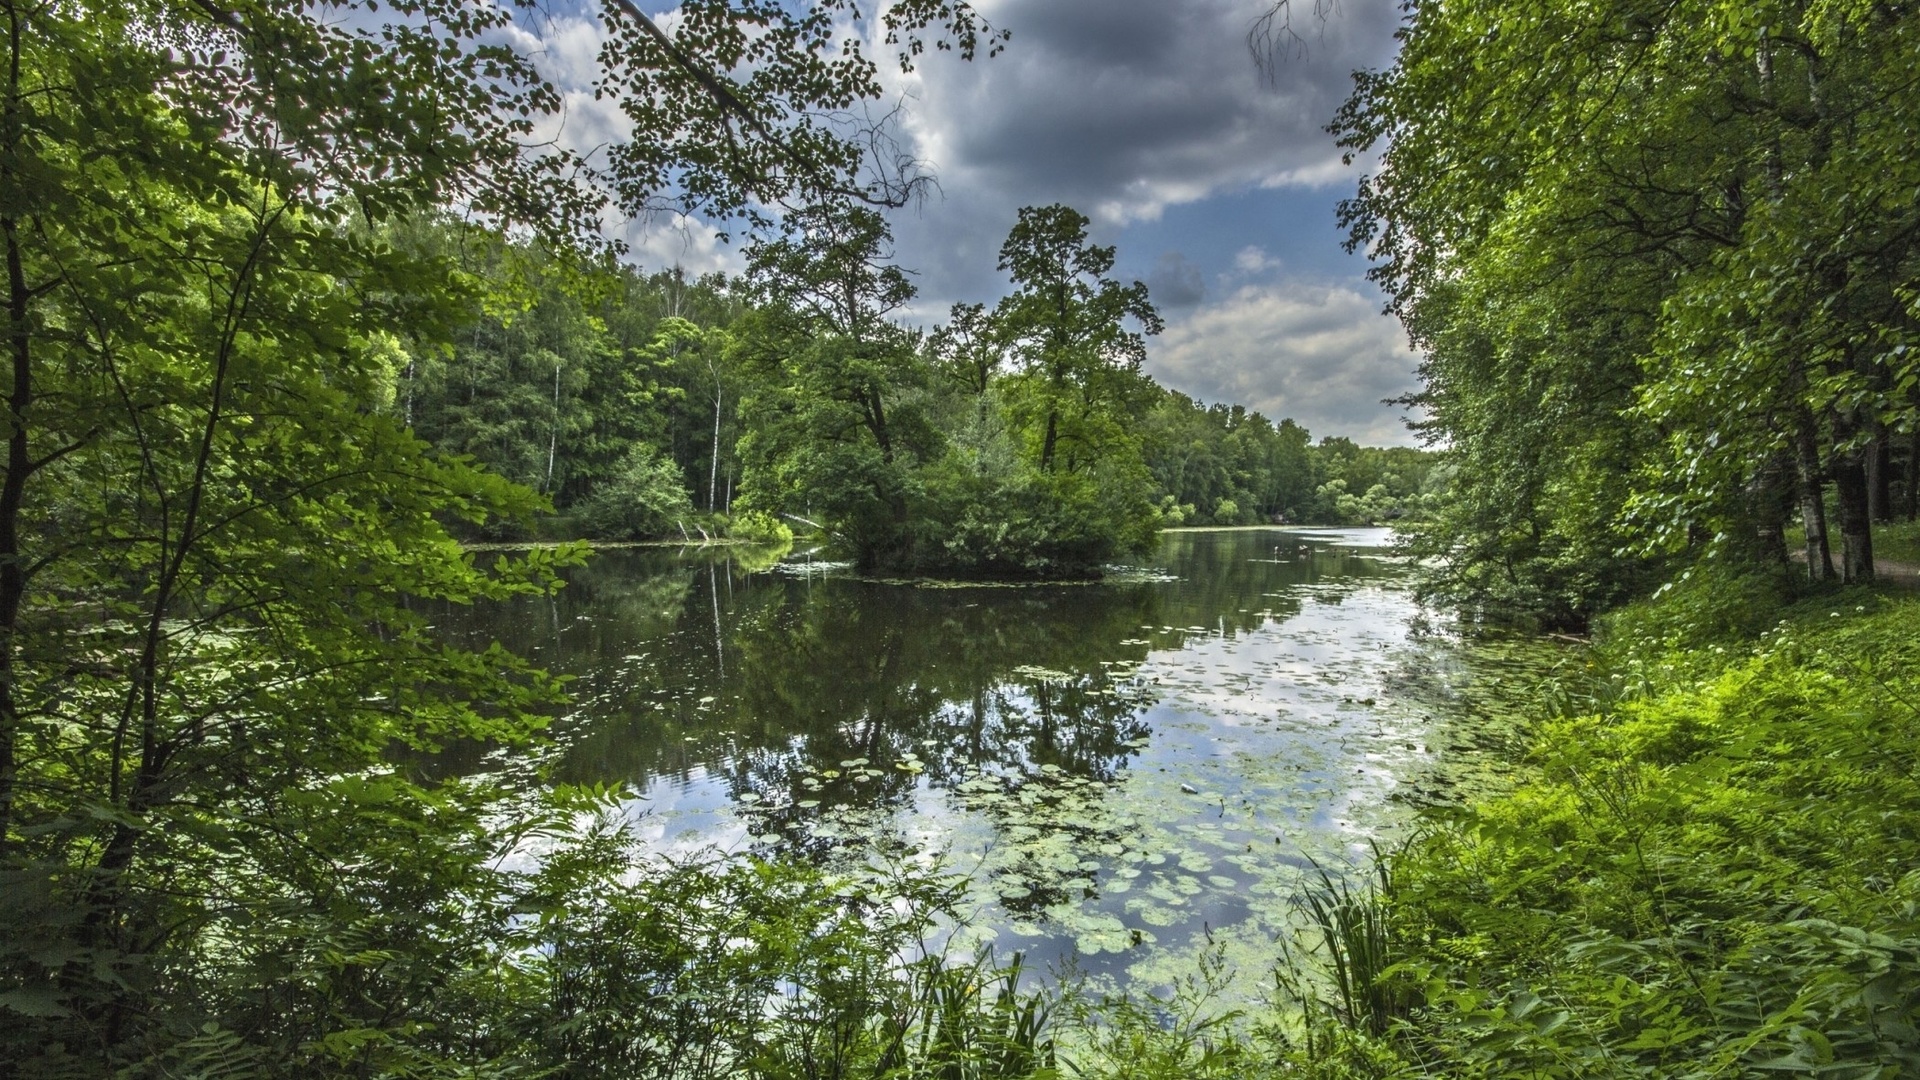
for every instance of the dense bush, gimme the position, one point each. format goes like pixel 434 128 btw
pixel 1030 524
pixel 1711 871
pixel 643 499
pixel 759 527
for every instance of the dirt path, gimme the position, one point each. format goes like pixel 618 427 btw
pixel 1899 573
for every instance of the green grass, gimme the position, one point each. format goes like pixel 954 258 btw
pixel 1899 541
pixel 1713 870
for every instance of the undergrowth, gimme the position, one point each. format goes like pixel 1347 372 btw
pixel 1713 869
pixel 1710 867
pixel 1899 541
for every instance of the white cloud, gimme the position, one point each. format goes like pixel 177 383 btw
pixel 676 240
pixel 1252 259
pixel 1321 355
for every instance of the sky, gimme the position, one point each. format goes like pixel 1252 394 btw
pixel 1214 179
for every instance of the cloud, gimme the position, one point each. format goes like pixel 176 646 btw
pixel 666 241
pixel 1122 109
pixel 1252 259
pixel 1176 283
pixel 1321 355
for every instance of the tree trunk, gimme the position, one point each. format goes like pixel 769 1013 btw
pixel 877 424
pixel 1856 522
pixel 713 472
pixel 553 434
pixel 1879 462
pixel 1851 482
pixel 1813 513
pixel 13 581
pixel 1913 475
pixel 1053 436
pixel 1769 512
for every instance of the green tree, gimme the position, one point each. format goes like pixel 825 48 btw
pixel 969 350
pixel 836 430
pixel 217 537
pixel 1201 456
pixel 1066 323
pixel 1652 257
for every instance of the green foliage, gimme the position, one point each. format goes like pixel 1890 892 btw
pixel 644 498
pixel 1239 468
pixel 1066 325
pixel 1706 877
pixel 1704 608
pixel 759 527
pixel 1357 951
pixel 1027 523
pixel 1662 293
pixel 220 539
pixel 713 967
pixel 936 456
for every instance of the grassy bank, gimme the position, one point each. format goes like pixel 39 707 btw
pixel 1712 870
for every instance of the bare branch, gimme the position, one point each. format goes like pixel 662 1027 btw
pixel 1273 38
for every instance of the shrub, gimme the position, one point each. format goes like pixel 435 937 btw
pixel 1708 876
pixel 643 499
pixel 759 527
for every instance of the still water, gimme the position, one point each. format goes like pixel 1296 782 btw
pixel 1128 772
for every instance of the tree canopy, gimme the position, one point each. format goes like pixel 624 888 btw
pixel 1660 259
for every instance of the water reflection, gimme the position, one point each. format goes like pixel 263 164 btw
pixel 1127 769
pixel 686 666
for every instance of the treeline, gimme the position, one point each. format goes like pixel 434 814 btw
pixel 1223 465
pixel 1022 439
pixel 1661 261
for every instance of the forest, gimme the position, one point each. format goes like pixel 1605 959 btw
pixel 305 300
pixel 1019 441
pixel 1672 309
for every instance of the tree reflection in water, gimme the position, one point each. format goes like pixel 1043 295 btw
pixel 1122 769
pixel 806 693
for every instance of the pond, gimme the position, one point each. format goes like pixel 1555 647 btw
pixel 1129 773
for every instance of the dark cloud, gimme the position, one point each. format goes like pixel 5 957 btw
pixel 1123 107
pixel 1211 175
pixel 1176 283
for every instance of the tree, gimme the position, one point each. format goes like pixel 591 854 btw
pixel 1618 237
pixel 968 350
pixel 1066 323
pixel 219 542
pixel 834 433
